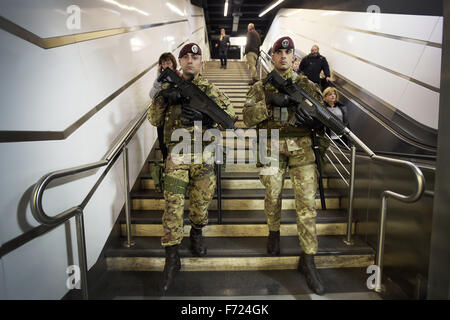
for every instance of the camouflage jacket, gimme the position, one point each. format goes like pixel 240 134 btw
pixel 161 114
pixel 260 114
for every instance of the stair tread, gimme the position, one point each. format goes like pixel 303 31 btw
pixel 235 176
pixel 267 284
pixel 231 217
pixel 238 247
pixel 233 194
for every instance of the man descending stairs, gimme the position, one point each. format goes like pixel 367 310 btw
pixel 239 242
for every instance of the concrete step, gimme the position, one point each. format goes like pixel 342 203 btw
pixel 237 223
pixel 234 90
pixel 328 170
pixel 231 200
pixel 227 73
pixel 232 180
pixel 227 85
pixel 340 284
pixel 238 254
pixel 230 81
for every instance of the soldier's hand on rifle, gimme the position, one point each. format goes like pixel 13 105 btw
pixel 171 96
pixel 305 119
pixel 189 115
pixel 279 100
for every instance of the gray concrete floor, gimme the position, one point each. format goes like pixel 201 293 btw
pixel 340 284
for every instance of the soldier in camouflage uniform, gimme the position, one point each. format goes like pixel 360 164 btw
pixel 266 108
pixel 196 178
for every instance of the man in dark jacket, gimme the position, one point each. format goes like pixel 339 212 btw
pixel 252 50
pixel 313 64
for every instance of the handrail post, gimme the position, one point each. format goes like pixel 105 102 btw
pixel 129 243
pixel 348 240
pixel 219 193
pixel 381 238
pixel 82 259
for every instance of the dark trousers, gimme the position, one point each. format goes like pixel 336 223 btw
pixel 223 58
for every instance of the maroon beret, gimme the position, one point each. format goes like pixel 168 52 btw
pixel 283 43
pixel 190 48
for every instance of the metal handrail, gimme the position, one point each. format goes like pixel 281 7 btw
pixel 420 183
pixel 77 211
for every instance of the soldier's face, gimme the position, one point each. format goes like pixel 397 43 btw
pixel 283 59
pixel 191 64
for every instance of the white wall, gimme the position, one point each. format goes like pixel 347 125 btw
pixel 50 89
pixel 346 39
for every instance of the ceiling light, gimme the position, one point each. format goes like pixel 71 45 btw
pixel 123 6
pixel 293 12
pixel 175 9
pixel 225 12
pixel 270 7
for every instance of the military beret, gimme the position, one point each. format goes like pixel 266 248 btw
pixel 283 43
pixel 190 48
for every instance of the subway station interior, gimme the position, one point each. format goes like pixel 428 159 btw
pixel 80 208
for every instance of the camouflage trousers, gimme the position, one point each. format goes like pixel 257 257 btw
pixel 197 180
pixel 297 155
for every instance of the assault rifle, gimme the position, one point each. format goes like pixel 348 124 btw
pixel 306 106
pixel 198 100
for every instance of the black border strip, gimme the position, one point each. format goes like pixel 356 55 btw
pixel 23 136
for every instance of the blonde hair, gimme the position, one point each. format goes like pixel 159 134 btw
pixel 329 91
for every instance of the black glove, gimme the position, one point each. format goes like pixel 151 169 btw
pixel 279 100
pixel 171 96
pixel 189 115
pixel 305 119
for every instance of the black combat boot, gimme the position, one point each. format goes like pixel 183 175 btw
pixel 308 268
pixel 171 267
pixel 197 243
pixel 273 245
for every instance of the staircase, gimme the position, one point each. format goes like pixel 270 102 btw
pixel 237 247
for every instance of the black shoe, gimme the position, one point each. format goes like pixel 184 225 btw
pixel 171 266
pixel 253 82
pixel 197 242
pixel 273 245
pixel 225 66
pixel 308 268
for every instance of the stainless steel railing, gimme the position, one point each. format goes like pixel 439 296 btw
pixel 77 211
pixel 419 178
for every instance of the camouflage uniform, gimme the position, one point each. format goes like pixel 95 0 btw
pixel 295 153
pixel 197 179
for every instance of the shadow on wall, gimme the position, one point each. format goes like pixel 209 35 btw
pixel 35 232
pixel 25 200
